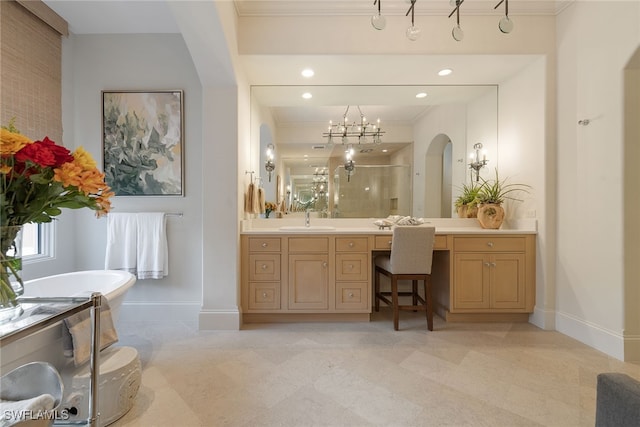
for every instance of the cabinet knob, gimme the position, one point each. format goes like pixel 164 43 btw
pixel 389 242
pixel 490 244
pixel 324 264
pixel 486 264
pixel 264 295
pixel 493 264
pixel 350 294
pixel 351 244
pixel 265 244
pixel 350 266
pixel 264 266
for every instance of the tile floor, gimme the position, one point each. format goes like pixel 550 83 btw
pixel 364 374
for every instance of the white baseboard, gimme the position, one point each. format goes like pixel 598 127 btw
pixel 159 311
pixel 543 319
pixel 606 341
pixel 221 320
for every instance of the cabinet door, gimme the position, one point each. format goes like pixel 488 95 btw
pixel 507 281
pixel 471 284
pixel 309 281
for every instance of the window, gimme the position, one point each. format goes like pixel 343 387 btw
pixel 36 241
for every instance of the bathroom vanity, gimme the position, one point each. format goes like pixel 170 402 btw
pixel 324 272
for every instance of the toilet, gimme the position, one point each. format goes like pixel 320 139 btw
pixel 118 385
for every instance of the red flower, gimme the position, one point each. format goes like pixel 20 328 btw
pixel 44 153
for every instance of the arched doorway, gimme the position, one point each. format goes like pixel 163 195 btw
pixel 438 178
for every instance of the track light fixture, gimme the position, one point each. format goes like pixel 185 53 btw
pixel 378 21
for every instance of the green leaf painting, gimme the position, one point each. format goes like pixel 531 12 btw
pixel 142 142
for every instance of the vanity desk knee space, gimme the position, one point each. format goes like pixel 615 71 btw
pixel 291 273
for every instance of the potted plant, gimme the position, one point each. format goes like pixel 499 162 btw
pixel 491 196
pixel 467 202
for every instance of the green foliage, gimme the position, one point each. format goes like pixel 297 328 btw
pixel 469 195
pixel 496 191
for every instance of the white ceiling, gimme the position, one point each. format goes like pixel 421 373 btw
pixel 393 98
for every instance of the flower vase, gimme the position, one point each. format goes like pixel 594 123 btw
pixel 11 285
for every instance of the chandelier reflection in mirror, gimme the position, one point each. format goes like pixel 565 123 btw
pixel 269 166
pixel 477 163
pixel 347 131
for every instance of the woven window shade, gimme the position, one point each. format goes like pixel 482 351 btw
pixel 30 73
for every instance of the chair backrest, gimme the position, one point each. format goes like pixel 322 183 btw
pixel 412 249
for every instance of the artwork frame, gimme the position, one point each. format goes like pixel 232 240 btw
pixel 143 142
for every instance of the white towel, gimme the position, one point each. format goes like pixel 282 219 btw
pixel 137 243
pixel 122 231
pixel 76 336
pixel 153 251
pixel 17 411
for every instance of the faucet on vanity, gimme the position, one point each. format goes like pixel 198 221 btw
pixel 307 220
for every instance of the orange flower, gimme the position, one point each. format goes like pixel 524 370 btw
pixel 68 174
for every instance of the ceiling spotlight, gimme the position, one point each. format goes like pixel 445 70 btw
pixel 307 72
pixel 413 32
pixel 505 25
pixel 421 95
pixel 457 32
pixel 445 72
pixel 307 95
pixel 378 21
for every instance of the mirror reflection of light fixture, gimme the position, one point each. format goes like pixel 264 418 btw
pixel 361 130
pixel 349 164
pixel 476 163
pixel 269 165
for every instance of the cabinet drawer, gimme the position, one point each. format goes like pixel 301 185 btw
pixel 264 244
pixel 264 296
pixel 440 242
pixel 352 295
pixel 383 242
pixel 264 267
pixel 308 244
pixel 352 266
pixel 352 244
pixel 489 244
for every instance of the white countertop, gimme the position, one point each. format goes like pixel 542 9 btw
pixel 295 225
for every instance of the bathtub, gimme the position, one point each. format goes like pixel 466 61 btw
pixel 46 345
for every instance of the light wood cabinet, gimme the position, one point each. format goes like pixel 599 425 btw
pixel 493 274
pixel 299 277
pixel 302 275
pixel 353 268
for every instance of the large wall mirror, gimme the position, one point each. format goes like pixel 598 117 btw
pixel 416 166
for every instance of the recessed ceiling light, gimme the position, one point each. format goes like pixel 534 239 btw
pixel 421 95
pixel 445 72
pixel 307 72
pixel 307 95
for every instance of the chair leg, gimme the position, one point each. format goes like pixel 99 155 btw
pixel 414 293
pixel 394 300
pixel 429 302
pixel 376 289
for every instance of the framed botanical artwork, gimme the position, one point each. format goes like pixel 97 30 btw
pixel 143 142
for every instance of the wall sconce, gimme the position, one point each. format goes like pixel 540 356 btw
pixel 476 163
pixel 269 165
